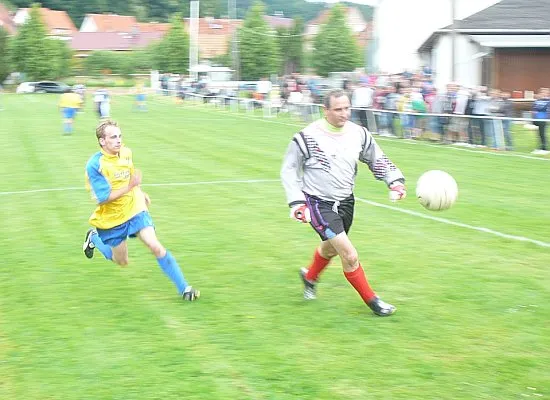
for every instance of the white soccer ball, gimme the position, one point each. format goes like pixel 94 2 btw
pixel 436 190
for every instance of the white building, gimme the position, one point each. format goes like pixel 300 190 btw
pixel 402 26
pixel 504 46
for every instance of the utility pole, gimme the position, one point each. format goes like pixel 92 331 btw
pixel 235 60
pixel 453 41
pixel 194 39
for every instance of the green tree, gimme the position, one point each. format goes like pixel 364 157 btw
pixel 61 56
pixel 335 47
pixel 291 47
pixel 223 60
pixel 116 62
pixel 4 55
pixel 143 60
pixel 98 61
pixel 259 52
pixel 31 51
pixel 212 8
pixel 172 53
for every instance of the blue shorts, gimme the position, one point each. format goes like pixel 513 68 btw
pixel 69 112
pixel 140 97
pixel 118 234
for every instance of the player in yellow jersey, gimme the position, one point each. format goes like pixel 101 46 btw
pixel 69 103
pixel 140 101
pixel 122 208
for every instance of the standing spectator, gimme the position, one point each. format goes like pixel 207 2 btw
pixel 404 105
pixel 263 88
pixel 285 93
pixel 418 105
pixel 306 109
pixel 469 121
pixel 164 83
pixel 541 110
pixel 391 105
pixel 508 112
pixel 361 99
pixel 495 109
pixel 448 104
pixel 481 109
pixel 430 97
pixel 459 125
pixel 313 88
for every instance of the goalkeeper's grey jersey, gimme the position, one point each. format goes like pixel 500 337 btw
pixel 323 163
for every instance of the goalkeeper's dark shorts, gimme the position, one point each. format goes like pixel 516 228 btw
pixel 330 218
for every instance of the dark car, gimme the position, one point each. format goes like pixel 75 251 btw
pixel 50 87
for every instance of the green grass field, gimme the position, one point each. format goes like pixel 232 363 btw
pixel 473 318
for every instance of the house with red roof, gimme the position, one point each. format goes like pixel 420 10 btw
pixel 6 20
pixel 84 43
pixel 278 21
pixel 120 24
pixel 58 23
pixel 214 35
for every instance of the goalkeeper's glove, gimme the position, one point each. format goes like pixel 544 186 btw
pixel 397 191
pixel 300 213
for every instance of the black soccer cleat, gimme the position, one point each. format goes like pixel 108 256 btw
pixel 190 294
pixel 310 290
pixel 381 308
pixel 88 245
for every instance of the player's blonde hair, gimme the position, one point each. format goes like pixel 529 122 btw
pixel 102 127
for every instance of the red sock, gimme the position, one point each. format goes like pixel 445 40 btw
pixel 318 264
pixel 358 280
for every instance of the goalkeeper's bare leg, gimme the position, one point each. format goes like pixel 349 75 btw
pixel 354 273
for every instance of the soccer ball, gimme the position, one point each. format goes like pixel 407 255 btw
pixel 436 190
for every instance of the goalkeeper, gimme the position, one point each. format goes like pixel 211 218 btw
pixel 318 175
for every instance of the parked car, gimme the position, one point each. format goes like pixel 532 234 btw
pixel 25 87
pixel 50 87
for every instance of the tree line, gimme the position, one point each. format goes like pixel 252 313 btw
pixel 261 52
pixel 162 10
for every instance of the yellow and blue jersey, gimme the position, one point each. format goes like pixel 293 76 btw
pixel 104 173
pixel 70 100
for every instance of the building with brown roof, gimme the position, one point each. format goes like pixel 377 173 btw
pixel 121 24
pixel 58 23
pixel 6 20
pixel 108 23
pixel 278 21
pixel 152 27
pixel 84 43
pixel 214 35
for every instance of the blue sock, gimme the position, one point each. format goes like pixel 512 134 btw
pixel 106 250
pixel 171 268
